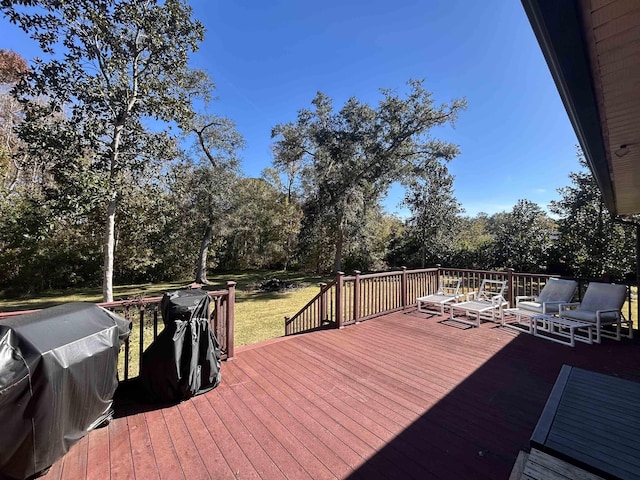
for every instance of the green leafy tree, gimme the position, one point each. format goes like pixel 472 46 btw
pixel 217 142
pixel 590 243
pixel 116 68
pixel 371 250
pixel 287 214
pixel 523 238
pixel 202 204
pixel 12 68
pixel 434 213
pixel 349 158
pixel 474 243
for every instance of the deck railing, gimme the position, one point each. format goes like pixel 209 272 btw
pixel 146 323
pixel 350 299
pixel 355 298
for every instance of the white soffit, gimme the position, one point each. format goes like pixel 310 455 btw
pixel 612 33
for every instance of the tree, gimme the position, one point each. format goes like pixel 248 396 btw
pixel 590 243
pixel 474 243
pixel 349 158
pixel 523 238
pixel 217 142
pixel 116 68
pixel 434 212
pixel 12 68
pixel 287 215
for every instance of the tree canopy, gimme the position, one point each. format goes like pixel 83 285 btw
pixel 114 165
pixel 114 68
pixel 349 158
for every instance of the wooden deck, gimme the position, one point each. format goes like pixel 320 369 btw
pixel 402 396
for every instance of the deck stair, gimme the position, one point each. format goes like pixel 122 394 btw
pixel 538 465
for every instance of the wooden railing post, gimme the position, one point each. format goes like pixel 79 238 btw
pixel 438 274
pixel 403 287
pixel 231 300
pixel 323 303
pixel 339 298
pixel 356 296
pixel 511 287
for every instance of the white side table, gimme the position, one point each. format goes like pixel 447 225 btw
pixel 558 329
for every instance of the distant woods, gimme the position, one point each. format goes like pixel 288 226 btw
pixel 183 207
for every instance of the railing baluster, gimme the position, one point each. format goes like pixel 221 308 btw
pixel 141 346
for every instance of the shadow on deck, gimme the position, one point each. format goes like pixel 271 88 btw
pixel 400 396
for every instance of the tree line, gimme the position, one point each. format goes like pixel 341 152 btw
pixel 115 167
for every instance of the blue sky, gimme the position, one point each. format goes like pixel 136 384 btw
pixel 268 60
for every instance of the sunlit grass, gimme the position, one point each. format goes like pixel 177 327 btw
pixel 260 315
pixel 634 307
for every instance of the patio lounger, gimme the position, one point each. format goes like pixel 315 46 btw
pixel 485 304
pixel 601 306
pixel 447 292
pixel 556 291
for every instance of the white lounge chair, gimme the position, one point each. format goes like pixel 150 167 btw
pixel 556 291
pixel 602 307
pixel 447 292
pixel 485 304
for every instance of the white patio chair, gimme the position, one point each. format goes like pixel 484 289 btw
pixel 448 291
pixel 601 306
pixel 485 304
pixel 556 291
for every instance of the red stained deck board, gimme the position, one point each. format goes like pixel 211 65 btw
pixel 364 427
pixel 167 460
pixel 75 465
pixel 239 463
pixel 144 460
pixel 367 405
pixel 210 454
pixel 383 403
pixel 98 455
pixel 120 459
pixel 325 428
pixel 414 398
pixel 309 444
pixel 400 396
pixel 283 434
pixel 257 453
pixel 185 448
pixel 267 439
pixel 383 421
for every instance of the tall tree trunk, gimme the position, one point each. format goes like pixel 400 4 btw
pixel 110 227
pixel 109 249
pixel 201 265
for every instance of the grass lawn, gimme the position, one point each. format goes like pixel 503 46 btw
pixel 258 315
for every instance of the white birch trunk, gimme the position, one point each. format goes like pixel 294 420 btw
pixel 201 265
pixel 109 250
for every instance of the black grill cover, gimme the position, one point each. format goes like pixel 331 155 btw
pixel 58 374
pixel 185 358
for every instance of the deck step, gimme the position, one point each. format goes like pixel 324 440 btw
pixel 518 467
pixel 541 466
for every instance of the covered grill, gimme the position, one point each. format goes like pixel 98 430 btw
pixel 58 375
pixel 185 358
